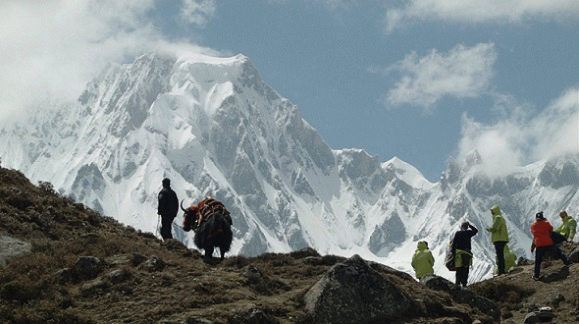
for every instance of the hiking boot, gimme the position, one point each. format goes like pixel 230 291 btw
pixel 537 278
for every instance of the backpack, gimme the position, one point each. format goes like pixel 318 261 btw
pixel 450 255
pixel 558 238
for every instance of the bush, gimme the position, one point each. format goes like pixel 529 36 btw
pixel 21 290
pixel 46 186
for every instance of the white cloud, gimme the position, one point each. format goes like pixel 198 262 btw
pixel 462 72
pixel 477 11
pixel 197 12
pixel 51 49
pixel 525 136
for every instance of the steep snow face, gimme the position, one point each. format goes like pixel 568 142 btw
pixel 215 128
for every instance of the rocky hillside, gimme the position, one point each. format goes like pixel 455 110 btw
pixel 64 263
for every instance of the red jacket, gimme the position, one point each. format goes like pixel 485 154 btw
pixel 541 230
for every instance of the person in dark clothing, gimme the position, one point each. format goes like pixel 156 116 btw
pixel 462 249
pixel 167 208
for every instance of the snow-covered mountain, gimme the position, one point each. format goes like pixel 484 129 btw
pixel 215 128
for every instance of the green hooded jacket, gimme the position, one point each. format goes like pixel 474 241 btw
pixel 499 227
pixel 568 228
pixel 510 259
pixel 422 261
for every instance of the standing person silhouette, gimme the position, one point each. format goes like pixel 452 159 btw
pixel 167 208
pixel 463 254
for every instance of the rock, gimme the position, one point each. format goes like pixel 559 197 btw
pixel 353 292
pixel 557 300
pixel 154 264
pixel 87 267
pixel 386 269
pixel 198 320
pixel 90 236
pixel 556 275
pixel 313 260
pixel 542 315
pixel 137 258
pixel 65 275
pixel 524 261
pixel 11 247
pixel 92 287
pixel 574 256
pixel 253 316
pixel 437 283
pixel 485 305
pixel 118 276
pixel 303 253
pixel 118 259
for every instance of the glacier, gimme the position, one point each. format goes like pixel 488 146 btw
pixel 215 128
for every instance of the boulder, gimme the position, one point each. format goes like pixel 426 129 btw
pixel 574 256
pixel 154 264
pixel 353 292
pixel 542 315
pixel 524 261
pixel 87 267
pixel 556 275
pixel 11 247
pixel 485 305
pixel 437 283
pixel 118 276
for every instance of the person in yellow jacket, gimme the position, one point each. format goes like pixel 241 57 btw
pixel 499 236
pixel 510 259
pixel 569 226
pixel 422 261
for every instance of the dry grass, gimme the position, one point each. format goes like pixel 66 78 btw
pixel 36 288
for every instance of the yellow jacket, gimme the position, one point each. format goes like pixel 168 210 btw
pixel 568 228
pixel 422 261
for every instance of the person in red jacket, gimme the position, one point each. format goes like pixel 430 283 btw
pixel 541 230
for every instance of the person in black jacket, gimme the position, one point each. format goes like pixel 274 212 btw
pixel 168 208
pixel 462 249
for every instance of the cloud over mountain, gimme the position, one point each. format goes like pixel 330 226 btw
pixel 480 12
pixel 462 72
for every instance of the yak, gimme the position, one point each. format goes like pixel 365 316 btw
pixel 211 223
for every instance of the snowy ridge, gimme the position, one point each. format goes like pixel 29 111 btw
pixel 215 128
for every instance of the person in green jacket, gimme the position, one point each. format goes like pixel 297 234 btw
pixel 499 236
pixel 422 261
pixel 510 259
pixel 569 226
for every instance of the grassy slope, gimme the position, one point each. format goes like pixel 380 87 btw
pixel 268 288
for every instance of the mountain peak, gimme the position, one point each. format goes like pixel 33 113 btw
pixel 407 173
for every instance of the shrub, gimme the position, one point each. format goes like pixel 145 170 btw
pixel 21 290
pixel 46 186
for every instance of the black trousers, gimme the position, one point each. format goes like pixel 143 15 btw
pixel 166 224
pixel 462 276
pixel 541 252
pixel 500 249
pixel 462 272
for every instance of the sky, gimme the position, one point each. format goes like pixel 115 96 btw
pixel 422 80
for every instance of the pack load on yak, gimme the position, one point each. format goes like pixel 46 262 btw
pixel 211 222
pixel 195 215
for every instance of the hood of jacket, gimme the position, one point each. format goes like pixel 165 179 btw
pixel 422 246
pixel 495 210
